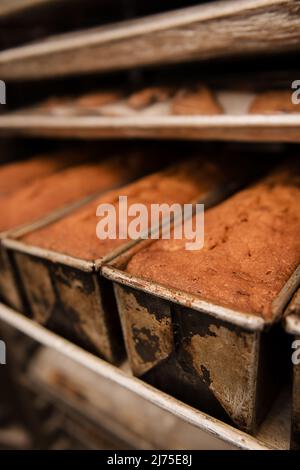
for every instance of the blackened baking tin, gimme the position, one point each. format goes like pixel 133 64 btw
pixel 222 361
pixel 10 291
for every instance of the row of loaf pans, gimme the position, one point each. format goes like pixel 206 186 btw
pixel 62 186
pixel 75 298
pixel 62 283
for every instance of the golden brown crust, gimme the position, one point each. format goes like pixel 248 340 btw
pixel 274 102
pixel 52 192
pixel 85 101
pixel 97 99
pixel 252 246
pixel 14 176
pixel 198 101
pixel 75 235
pixel 54 102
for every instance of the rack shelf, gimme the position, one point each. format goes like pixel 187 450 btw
pixel 219 29
pixel 274 128
pixel 273 434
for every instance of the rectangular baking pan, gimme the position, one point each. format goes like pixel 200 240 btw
pixel 69 295
pixel 9 282
pixel 10 291
pixel 225 362
pixel 292 327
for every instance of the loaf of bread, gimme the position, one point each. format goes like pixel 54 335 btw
pixel 75 235
pixel 197 101
pixel 274 102
pixel 97 99
pixel 67 186
pixel 148 96
pixel 17 174
pixel 86 101
pixel 251 248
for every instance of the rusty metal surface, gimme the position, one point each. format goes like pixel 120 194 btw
pixel 214 358
pixel 70 301
pixel 207 363
pixel 147 327
pixel 10 289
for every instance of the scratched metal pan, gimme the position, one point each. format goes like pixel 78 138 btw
pixel 221 361
pixel 10 290
pixel 71 297
pixel 292 327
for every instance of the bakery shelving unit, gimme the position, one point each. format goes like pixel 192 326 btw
pixel 219 29
pixel 216 30
pixel 213 30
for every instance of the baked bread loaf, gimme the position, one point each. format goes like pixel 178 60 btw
pixel 75 235
pixel 86 101
pixel 54 102
pixel 97 99
pixel 148 96
pixel 67 186
pixel 274 102
pixel 17 174
pixel 251 248
pixel 197 101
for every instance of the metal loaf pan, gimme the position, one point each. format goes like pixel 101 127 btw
pixel 71 297
pixel 224 362
pixel 292 327
pixel 10 285
pixel 10 289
